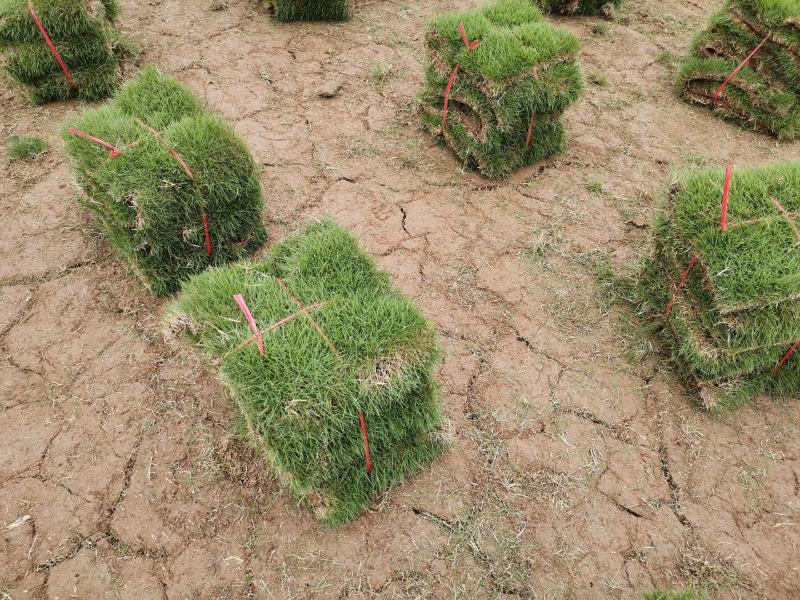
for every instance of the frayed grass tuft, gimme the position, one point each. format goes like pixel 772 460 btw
pixel 311 10
pixel 763 96
pixel 144 201
pixel 737 312
pixel 24 147
pixel 508 92
pixel 84 37
pixel 302 398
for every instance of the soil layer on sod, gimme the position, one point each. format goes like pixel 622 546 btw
pixel 83 38
pixel 355 348
pixel 580 7
pixel 172 187
pixel 310 10
pixel 763 94
pixel 728 301
pixel 505 76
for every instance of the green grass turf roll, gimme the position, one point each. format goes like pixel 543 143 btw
pixel 762 39
pixel 145 202
pixel 84 38
pixel 302 398
pixel 517 79
pixel 311 10
pixel 736 314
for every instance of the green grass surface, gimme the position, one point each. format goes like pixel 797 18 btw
pixel 302 399
pixel 582 7
pixel 522 66
pixel 25 147
pixel 764 94
pixel 311 10
pixel 738 311
pixel 144 202
pixel 84 38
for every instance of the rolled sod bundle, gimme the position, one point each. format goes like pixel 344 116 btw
pixel 68 53
pixel 580 7
pixel 746 66
pixel 726 289
pixel 310 10
pixel 172 187
pixel 330 367
pixel 498 79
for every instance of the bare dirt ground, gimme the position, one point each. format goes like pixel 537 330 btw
pixel 579 466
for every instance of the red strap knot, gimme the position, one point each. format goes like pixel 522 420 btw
pixel 170 148
pixel 114 150
pixel 470 45
pixel 678 287
pixel 250 321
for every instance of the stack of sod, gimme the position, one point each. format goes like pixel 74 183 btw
pixel 360 349
pixel 83 37
pixel 174 171
pixel 580 7
pixel 507 92
pixel 310 10
pixel 763 95
pixel 730 300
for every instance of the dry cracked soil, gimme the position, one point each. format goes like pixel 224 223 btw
pixel 579 466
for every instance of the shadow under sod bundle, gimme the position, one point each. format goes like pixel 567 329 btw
pixel 746 66
pixel 498 79
pixel 724 282
pixel 172 187
pixel 61 49
pixel 330 367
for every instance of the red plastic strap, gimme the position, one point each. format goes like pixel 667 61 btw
pixel 283 321
pixel 170 148
pixel 786 356
pixel 684 277
pixel 308 314
pixel 205 230
pixel 735 72
pixel 530 130
pixel 366 441
pixel 725 190
pixel 114 150
pixel 470 45
pixel 788 218
pixel 49 43
pixel 447 94
pixel 250 321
